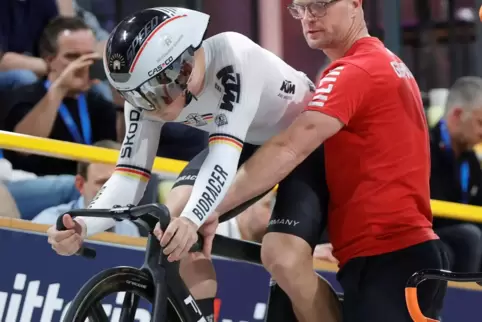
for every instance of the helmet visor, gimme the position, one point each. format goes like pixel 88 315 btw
pixel 163 88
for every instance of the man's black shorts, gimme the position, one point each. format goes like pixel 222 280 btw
pixel 374 286
pixel 301 201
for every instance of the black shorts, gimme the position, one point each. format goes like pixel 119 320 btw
pixel 374 286
pixel 301 201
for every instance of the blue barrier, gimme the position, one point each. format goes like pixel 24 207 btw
pixel 37 285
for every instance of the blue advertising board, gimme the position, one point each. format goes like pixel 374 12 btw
pixel 38 285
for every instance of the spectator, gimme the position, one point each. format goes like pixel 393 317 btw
pixel 70 8
pixel 89 179
pixel 21 24
pixel 32 194
pixel 456 175
pixel 60 107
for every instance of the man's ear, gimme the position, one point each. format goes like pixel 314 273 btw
pixel 79 183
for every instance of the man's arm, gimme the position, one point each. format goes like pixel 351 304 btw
pixel 11 60
pixel 40 120
pixel 279 156
pixel 337 99
pixel 133 170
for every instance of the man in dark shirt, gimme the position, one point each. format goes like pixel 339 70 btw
pixel 21 24
pixel 60 106
pixel 456 175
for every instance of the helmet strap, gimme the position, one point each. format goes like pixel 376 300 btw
pixel 189 96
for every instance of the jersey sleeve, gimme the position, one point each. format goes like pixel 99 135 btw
pixel 242 92
pixel 133 170
pixel 340 92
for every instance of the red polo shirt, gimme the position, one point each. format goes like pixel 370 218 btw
pixel 378 165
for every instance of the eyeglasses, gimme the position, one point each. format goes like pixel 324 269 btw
pixel 316 9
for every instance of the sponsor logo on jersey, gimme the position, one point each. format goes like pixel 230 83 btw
pixel 288 222
pixel 211 192
pixel 128 144
pixel 221 119
pixel 195 119
pixel 116 62
pixel 288 87
pixel 187 177
pixel 231 81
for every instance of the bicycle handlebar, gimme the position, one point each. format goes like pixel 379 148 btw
pixel 439 274
pixel 146 215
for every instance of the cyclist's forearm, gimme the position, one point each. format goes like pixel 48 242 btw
pixel 121 189
pixel 212 183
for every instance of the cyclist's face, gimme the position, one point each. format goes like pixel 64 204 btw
pixel 96 176
pixel 171 112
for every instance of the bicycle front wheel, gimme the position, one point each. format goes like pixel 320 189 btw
pixel 135 283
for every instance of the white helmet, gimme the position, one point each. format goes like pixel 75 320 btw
pixel 150 54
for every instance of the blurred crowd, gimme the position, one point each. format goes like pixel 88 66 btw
pixel 50 88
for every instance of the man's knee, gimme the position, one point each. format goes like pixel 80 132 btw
pixel 284 255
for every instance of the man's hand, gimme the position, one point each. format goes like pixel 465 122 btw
pixel 208 230
pixel 67 242
pixel 325 252
pixel 75 77
pixel 179 237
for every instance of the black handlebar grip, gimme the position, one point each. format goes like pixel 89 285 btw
pixel 86 252
pixel 198 246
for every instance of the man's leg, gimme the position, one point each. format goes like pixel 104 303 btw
pixel 294 230
pixel 196 270
pixel 374 286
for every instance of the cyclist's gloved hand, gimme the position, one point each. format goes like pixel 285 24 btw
pixel 69 241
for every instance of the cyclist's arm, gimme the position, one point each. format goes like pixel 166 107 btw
pixel 133 169
pixel 225 146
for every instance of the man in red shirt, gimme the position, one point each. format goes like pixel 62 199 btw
pixel 368 110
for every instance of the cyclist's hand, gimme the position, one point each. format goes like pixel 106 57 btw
pixel 75 77
pixel 67 242
pixel 179 237
pixel 208 230
pixel 325 252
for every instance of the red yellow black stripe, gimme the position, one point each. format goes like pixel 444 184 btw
pixel 226 139
pixel 133 172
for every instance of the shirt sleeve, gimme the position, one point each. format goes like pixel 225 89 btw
pixel 242 92
pixel 340 92
pixel 133 169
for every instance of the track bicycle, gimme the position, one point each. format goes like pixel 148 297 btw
pixel 437 274
pixel 158 280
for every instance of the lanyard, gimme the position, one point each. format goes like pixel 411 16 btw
pixel 86 137
pixel 464 167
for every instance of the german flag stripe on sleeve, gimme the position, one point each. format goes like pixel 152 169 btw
pixel 133 172
pixel 226 139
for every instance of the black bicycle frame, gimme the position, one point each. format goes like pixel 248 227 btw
pixel 167 282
